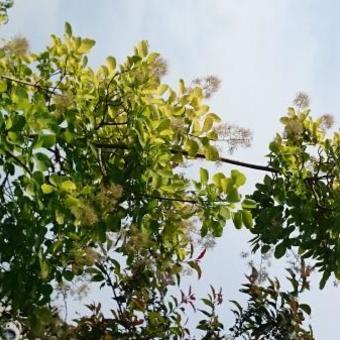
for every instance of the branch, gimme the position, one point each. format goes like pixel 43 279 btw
pixel 45 89
pixel 199 156
pixel 233 161
pixel 162 198
pixel 111 284
pixel 103 124
pixel 227 140
pixel 9 154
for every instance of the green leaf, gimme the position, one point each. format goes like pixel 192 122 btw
pixel 194 265
pixel 214 117
pixel 68 275
pixel 59 217
pixel 208 303
pixel 196 127
pixel 47 188
pixel 161 89
pixel 71 202
pixel 16 123
pixel 211 153
pixel 280 250
pixel 212 135
pixel 47 141
pixel 237 219
pixel 208 124
pixel 306 308
pixel 217 229
pixel 233 196
pixel 142 48
pixel 97 278
pixel 204 176
pixel 113 223
pixel 224 184
pixel 68 29
pixel 265 248
pixel 44 269
pixel 326 275
pixel 225 212
pixel 38 176
pixel 86 45
pixel 181 87
pixel 191 147
pixel 247 218
pixel 20 96
pixel 111 63
pixel 3 85
pixel 42 161
pixel 238 306
pixel 248 203
pixel 68 186
pixel 217 178
pixel 238 178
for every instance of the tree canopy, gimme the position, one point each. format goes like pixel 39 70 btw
pixel 93 185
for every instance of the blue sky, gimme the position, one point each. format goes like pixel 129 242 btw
pixel 264 51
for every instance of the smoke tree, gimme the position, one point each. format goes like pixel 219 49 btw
pixel 93 187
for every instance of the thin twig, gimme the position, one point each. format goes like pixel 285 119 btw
pixel 23 165
pixel 22 82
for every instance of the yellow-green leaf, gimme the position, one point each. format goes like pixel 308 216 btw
pixel 191 147
pixel 204 175
pixel 233 196
pixel 214 117
pixel 3 85
pixel 47 141
pixel 196 128
pixel 142 48
pixel 111 63
pixel 68 186
pixel 208 124
pixel 161 89
pixel 47 188
pixel 237 219
pixel 238 177
pixel 60 217
pixel 211 153
pixel 86 45
pixel 247 218
pixel 44 269
pixel 181 86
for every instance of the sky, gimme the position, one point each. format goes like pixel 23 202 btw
pixel 264 52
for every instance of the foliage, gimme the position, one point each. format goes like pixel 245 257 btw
pixel 92 186
pixel 299 205
pixel 5 5
pixel 90 181
pixel 272 313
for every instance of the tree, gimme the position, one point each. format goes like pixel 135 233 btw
pixel 92 186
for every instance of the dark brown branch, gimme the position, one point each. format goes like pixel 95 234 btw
pixel 226 140
pixel 112 286
pixel 24 166
pixel 197 156
pixel 45 89
pixel 4 180
pixel 233 161
pixel 103 124
pixel 111 146
pixel 162 198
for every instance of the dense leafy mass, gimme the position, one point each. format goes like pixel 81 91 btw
pixel 93 186
pixel 272 313
pixel 300 205
pixel 89 179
